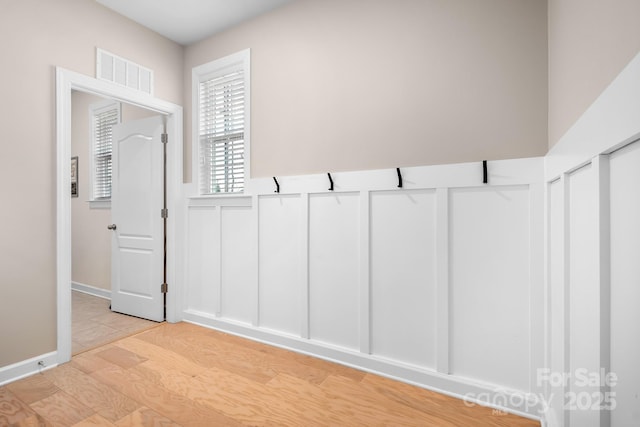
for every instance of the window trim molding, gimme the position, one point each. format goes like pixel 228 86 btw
pixel 99 204
pixel 94 109
pixel 205 72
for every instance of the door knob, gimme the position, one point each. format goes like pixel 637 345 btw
pixel 111 227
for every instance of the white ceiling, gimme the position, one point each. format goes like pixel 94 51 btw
pixel 189 21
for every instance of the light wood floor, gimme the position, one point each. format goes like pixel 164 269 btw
pixel 182 374
pixel 94 324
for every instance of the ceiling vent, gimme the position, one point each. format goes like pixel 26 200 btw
pixel 123 72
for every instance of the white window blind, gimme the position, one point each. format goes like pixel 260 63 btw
pixel 221 91
pixel 222 134
pixel 103 118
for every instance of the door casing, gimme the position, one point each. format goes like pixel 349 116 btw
pixel 66 82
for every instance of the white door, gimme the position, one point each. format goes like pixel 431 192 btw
pixel 137 200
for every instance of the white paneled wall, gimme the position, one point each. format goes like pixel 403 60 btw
pixel 584 286
pixel 334 269
pixel 594 292
pixel 403 279
pixel 431 283
pixel 489 285
pixel 625 283
pixel 593 268
pixel 280 264
pixel 237 264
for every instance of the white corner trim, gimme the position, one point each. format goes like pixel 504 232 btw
pixel 91 290
pixel 28 367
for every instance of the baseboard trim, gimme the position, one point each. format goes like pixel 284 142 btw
pixel 28 367
pixel 470 391
pixel 91 290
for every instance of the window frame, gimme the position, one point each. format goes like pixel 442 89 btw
pixel 94 110
pixel 202 73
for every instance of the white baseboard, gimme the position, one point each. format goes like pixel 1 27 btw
pixel 91 290
pixel 470 391
pixel 28 367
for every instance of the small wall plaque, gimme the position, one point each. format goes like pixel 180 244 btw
pixel 74 176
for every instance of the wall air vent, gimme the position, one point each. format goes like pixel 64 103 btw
pixel 123 72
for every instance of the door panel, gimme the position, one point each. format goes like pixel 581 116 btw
pixel 136 203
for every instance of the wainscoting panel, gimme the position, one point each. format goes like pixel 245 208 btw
pixel 489 280
pixel 403 276
pixel 557 298
pixel 625 283
pixel 584 285
pixel 279 260
pixel 598 163
pixel 432 283
pixel 203 266
pixel 333 269
pixel 238 293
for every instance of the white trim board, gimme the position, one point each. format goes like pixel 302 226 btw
pixel 66 82
pixel 27 367
pixel 91 290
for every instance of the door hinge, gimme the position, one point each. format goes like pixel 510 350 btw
pixel 163 288
pixel 164 138
pixel 164 213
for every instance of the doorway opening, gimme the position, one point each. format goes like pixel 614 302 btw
pixel 68 82
pixel 95 121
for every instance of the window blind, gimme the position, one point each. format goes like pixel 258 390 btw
pixel 103 143
pixel 221 133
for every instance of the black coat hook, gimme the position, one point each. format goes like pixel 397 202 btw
pixel 331 181
pixel 485 176
pixel 399 178
pixel 277 185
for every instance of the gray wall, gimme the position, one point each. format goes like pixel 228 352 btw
pixel 363 84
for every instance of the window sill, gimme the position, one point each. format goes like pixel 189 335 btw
pixel 99 204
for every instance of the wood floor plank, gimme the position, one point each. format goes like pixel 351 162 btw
pixel 107 402
pixel 185 375
pixel 89 362
pixel 33 388
pixel 32 421
pixel 171 405
pixel 206 349
pixel 62 409
pixel 207 353
pixel 228 393
pixel 121 357
pixel 96 420
pixel 303 359
pixel 445 407
pixel 12 409
pixel 147 418
pixel 351 410
pixel 159 354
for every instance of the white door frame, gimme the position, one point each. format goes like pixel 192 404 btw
pixel 66 81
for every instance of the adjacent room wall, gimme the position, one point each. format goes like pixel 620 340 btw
pixel 343 85
pixel 36 36
pixel 91 241
pixel 590 42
